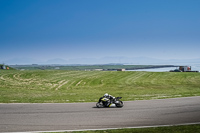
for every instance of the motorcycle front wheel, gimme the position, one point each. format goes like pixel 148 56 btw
pixel 120 104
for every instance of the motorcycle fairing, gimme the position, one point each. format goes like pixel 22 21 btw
pixel 112 105
pixel 104 99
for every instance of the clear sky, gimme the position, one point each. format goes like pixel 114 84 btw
pixel 48 29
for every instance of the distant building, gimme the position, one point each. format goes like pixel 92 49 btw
pixel 57 68
pixel 185 68
pixel 121 69
pixel 98 69
pixel 3 67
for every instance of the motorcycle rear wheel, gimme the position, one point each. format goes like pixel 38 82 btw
pixel 99 105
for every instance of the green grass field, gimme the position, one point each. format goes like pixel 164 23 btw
pixel 60 86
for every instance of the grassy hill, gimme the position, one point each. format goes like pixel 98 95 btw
pixel 51 86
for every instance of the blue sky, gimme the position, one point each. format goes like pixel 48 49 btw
pixel 67 29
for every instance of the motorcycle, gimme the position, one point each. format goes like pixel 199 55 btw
pixel 105 102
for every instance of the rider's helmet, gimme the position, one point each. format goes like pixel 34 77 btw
pixel 106 95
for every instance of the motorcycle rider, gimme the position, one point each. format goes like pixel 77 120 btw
pixel 110 97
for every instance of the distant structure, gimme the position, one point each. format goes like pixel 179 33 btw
pixel 183 69
pixel 3 67
pixel 98 69
pixel 57 68
pixel 121 69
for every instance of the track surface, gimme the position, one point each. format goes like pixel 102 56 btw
pixel 73 116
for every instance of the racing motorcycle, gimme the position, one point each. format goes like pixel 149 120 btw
pixel 105 102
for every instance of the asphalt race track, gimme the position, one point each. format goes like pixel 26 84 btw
pixel 74 116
